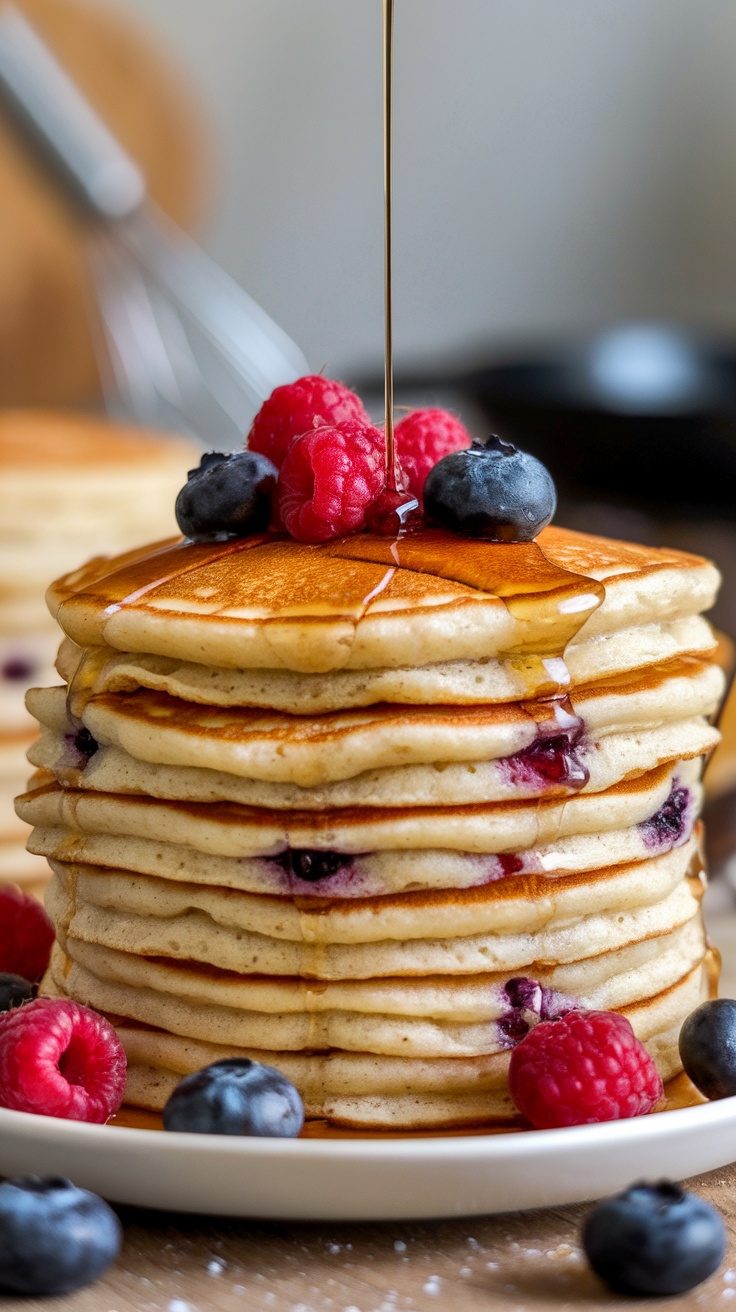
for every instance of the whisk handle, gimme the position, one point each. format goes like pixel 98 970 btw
pixel 44 100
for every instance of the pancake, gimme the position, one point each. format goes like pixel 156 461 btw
pixel 315 750
pixel 592 768
pixel 470 682
pixel 370 810
pixel 417 934
pixel 226 1008
pixel 255 603
pixel 227 829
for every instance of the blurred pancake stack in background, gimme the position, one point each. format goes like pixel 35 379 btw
pixel 71 487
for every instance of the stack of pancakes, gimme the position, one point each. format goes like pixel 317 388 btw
pixel 71 486
pixel 367 811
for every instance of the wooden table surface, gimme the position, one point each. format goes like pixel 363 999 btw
pixel 526 1262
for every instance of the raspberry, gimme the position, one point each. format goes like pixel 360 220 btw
pixel 586 1067
pixel 328 480
pixel 296 408
pixel 26 935
pixel 423 438
pixel 58 1058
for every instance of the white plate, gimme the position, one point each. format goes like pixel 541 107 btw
pixel 369 1179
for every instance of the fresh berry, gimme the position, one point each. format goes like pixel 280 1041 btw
pixel 654 1239
pixel 58 1058
pixel 708 1047
pixel 236 1096
pixel 491 491
pixel 588 1066
pixel 227 495
pixel 296 408
pixel 422 439
pixel 54 1237
pixel 26 934
pixel 328 480
pixel 14 991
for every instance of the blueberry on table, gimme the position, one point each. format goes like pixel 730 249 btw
pixel 14 991
pixel 227 494
pixel 53 1237
pixel 236 1096
pixel 654 1239
pixel 708 1047
pixel 491 490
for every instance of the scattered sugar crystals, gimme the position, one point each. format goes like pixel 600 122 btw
pixel 215 1267
pixel 432 1285
pixel 399 1246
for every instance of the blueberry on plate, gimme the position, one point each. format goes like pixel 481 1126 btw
pixel 236 1096
pixel 708 1047
pixel 53 1237
pixel 491 490
pixel 654 1239
pixel 227 494
pixel 14 991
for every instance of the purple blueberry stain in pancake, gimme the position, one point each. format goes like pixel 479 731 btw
pixel 505 864
pixel 79 748
pixel 554 759
pixel 304 866
pixel 672 823
pixel 524 993
pixel 527 1003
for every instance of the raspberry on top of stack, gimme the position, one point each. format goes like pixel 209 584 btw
pixel 369 807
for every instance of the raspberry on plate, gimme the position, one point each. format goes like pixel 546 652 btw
pixel 424 437
pixel 26 935
pixel 58 1058
pixel 586 1067
pixel 296 408
pixel 329 479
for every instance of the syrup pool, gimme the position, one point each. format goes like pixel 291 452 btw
pixel 678 1093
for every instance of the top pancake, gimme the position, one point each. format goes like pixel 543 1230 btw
pixel 370 603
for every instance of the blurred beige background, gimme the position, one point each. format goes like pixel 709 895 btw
pixel 559 163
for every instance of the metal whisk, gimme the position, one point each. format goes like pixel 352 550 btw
pixel 181 345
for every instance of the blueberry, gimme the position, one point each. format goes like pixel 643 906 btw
pixel 491 490
pixel 654 1239
pixel 227 495
pixel 53 1236
pixel 236 1096
pixel 708 1047
pixel 14 991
